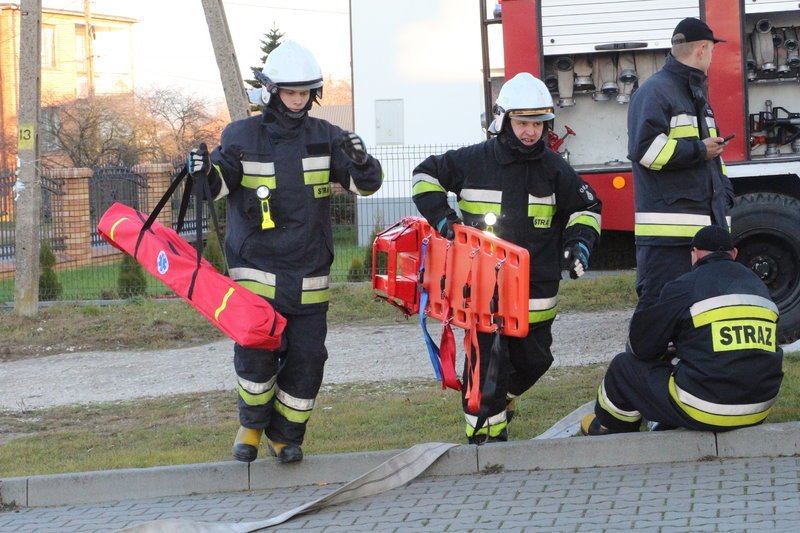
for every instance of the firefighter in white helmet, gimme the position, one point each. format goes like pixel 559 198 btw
pixel 534 199
pixel 277 170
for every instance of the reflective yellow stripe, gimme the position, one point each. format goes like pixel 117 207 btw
pixel 494 425
pixel 542 316
pixel 665 230
pixel 315 297
pixel 721 420
pixel 539 210
pixel 114 227
pixel 683 132
pixel 586 220
pixel 664 155
pixel 478 208
pixel 256 399
pixel 609 407
pixel 744 335
pixel 733 312
pixel 317 177
pixel 298 417
pixel 254 182
pixel 221 308
pixel 268 291
pixel 423 186
pixel 724 169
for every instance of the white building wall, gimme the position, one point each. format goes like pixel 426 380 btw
pixel 418 63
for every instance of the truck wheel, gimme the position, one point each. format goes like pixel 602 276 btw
pixel 767 229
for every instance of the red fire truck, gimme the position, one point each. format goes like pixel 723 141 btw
pixel 593 55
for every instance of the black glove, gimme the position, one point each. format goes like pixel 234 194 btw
pixel 198 161
pixel 445 226
pixel 353 147
pixel 576 259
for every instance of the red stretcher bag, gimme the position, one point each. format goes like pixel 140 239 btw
pixel 242 315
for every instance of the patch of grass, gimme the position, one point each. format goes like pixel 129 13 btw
pixel 150 324
pixel 200 428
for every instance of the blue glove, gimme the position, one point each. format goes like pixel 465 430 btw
pixel 445 226
pixel 576 259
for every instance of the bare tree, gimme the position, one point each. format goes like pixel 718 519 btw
pixel 92 132
pixel 173 123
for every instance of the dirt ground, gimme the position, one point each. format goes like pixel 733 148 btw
pixel 356 354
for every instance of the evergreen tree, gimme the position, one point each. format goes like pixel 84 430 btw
pixel 131 280
pixel 49 286
pixel 270 42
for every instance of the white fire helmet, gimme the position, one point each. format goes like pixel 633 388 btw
pixel 289 66
pixel 523 97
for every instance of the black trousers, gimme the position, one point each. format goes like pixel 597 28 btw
pixel 528 360
pixel 298 365
pixel 655 267
pixel 633 385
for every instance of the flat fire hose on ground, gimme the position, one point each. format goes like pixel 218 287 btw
pixel 394 473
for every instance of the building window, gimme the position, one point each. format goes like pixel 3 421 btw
pixel 80 48
pixel 49 121
pixel 48 46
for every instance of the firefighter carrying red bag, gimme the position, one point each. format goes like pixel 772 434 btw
pixel 276 170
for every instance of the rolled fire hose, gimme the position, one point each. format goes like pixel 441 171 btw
pixel 626 68
pixel 764 46
pixel 583 74
pixel 646 65
pixel 604 75
pixel 750 62
pixel 566 81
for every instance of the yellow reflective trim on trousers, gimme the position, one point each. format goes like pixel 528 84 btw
pixel 734 312
pixel 315 297
pixel 494 430
pixel 542 316
pixel 684 132
pixel 256 399
pixel 712 419
pixel 586 221
pixel 479 208
pixel 664 155
pixel 539 210
pixel 665 230
pixel 254 182
pixel 268 291
pixel 608 408
pixel 224 303
pixel 298 417
pixel 317 177
pixel 423 187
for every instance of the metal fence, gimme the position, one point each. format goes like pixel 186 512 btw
pixel 49 231
pixel 354 220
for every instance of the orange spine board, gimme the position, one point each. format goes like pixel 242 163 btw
pixel 474 257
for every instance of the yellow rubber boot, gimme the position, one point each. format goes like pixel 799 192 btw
pixel 245 447
pixel 286 453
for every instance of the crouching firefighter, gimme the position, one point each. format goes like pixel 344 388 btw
pixel 276 170
pixel 534 199
pixel 725 370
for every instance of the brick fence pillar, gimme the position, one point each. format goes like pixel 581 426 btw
pixel 75 215
pixel 158 178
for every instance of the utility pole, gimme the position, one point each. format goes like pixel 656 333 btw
pixel 29 193
pixel 232 83
pixel 89 36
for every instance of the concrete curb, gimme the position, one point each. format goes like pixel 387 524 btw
pixel 770 440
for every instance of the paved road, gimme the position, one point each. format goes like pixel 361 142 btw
pixel 758 494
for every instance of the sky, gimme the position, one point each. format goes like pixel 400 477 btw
pixel 173 47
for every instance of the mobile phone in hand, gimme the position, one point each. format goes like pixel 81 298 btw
pixel 728 138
